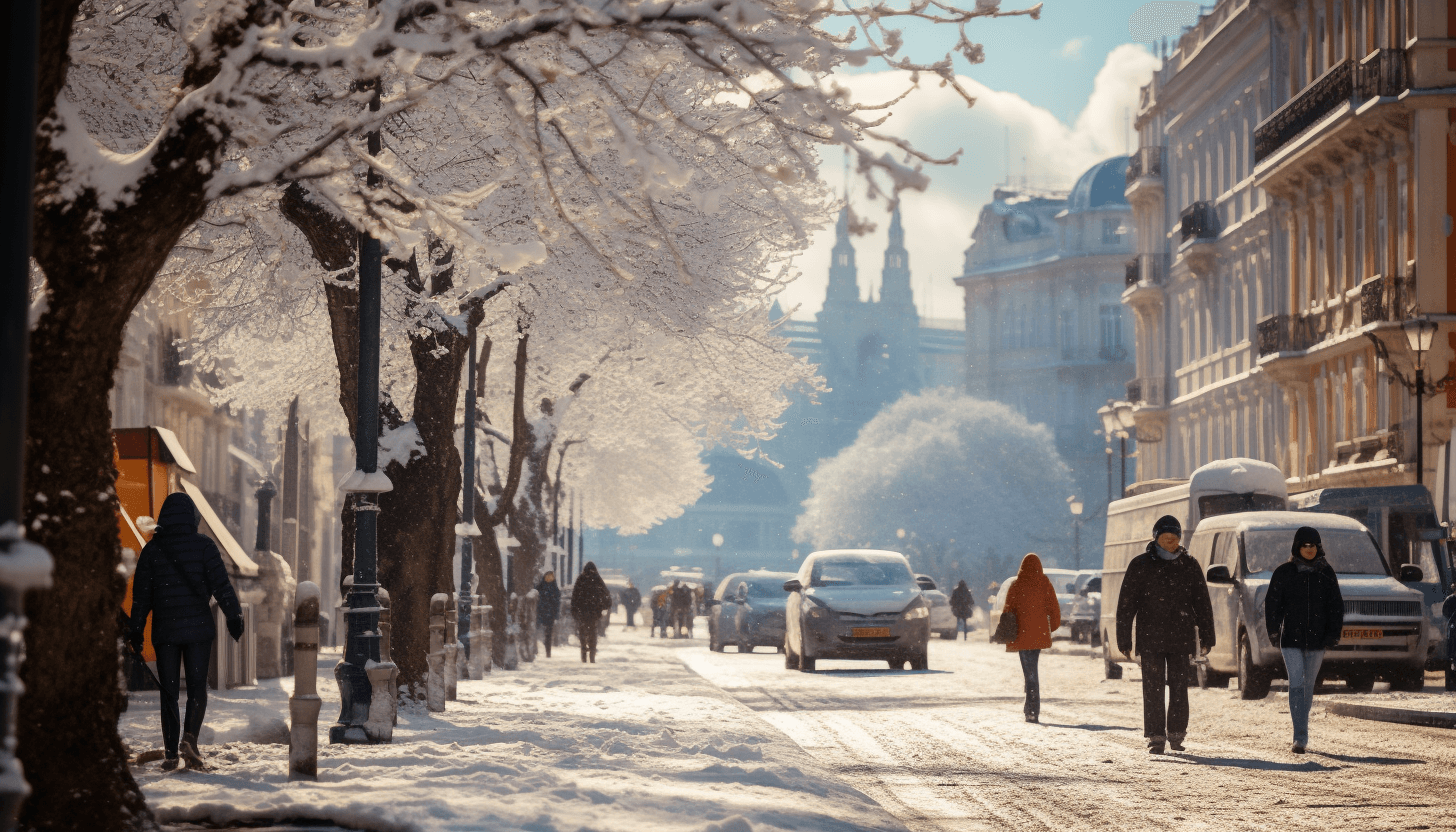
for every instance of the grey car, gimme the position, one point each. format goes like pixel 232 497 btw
pixel 855 604
pixel 757 620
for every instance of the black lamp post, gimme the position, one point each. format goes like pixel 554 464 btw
pixel 1076 506
pixel 366 484
pixel 467 502
pixel 26 565
pixel 1420 333
pixel 1112 426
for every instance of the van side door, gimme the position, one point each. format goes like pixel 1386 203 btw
pixel 1225 598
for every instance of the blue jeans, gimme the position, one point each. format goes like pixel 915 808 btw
pixel 1303 667
pixel 1033 682
pixel 963 626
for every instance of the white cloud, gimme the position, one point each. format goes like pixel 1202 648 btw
pixel 1073 48
pixel 939 222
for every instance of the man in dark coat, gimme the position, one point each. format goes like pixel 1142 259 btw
pixel 1304 614
pixel 178 572
pixel 631 600
pixel 682 609
pixel 589 599
pixel 962 606
pixel 548 606
pixel 1165 595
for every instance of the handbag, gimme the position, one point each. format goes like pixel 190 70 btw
pixel 1005 629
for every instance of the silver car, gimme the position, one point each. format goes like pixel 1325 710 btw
pixel 855 604
pixel 942 620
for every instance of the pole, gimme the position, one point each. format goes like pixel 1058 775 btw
pixel 467 502
pixel 1109 473
pixel 1420 436
pixel 1077 543
pixel 362 646
pixel 26 565
pixel 1122 446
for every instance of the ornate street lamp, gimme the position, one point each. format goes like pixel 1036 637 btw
pixel 1112 426
pixel 1076 506
pixel 1419 334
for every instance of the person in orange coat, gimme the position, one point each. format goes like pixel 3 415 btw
pixel 1034 601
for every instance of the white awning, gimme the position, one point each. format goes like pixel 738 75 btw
pixel 248 460
pixel 174 447
pixel 230 547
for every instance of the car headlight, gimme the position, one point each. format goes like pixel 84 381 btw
pixel 916 611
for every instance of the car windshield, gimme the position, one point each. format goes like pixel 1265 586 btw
pixel 1063 581
pixel 1349 552
pixel 765 587
pixel 860 571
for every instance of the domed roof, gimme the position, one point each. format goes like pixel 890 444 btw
pixel 1101 186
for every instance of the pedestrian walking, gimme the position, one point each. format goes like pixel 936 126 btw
pixel 1165 595
pixel 1033 602
pixel 682 609
pixel 740 617
pixel 177 574
pixel 660 601
pixel 589 599
pixel 631 600
pixel 1448 609
pixel 1304 614
pixel 962 606
pixel 548 607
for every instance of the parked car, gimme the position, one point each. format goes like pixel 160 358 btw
pixel 998 603
pixel 761 619
pixel 942 620
pixel 1384 632
pixel 855 604
pixel 1064 581
pixel 1086 607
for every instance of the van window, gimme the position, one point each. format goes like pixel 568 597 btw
pixel 1201 547
pixel 1349 552
pixel 1213 505
pixel 1225 553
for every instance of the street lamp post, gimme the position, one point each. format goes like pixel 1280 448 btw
pixel 1076 506
pixel 467 502
pixel 366 484
pixel 1420 333
pixel 25 565
pixel 718 556
pixel 1112 426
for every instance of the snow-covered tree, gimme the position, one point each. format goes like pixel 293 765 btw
pixel 946 479
pixel 149 111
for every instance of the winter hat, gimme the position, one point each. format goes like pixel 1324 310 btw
pixel 1168 524
pixel 1304 535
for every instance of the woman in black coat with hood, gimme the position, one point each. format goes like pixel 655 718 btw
pixel 589 599
pixel 176 575
pixel 1304 613
pixel 962 606
pixel 548 607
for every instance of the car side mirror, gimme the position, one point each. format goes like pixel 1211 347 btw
pixel 1219 575
pixel 793 585
pixel 1411 574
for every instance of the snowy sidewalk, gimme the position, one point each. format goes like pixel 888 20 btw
pixel 636 743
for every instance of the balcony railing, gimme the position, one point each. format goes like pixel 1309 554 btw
pixel 1383 73
pixel 1147 161
pixel 1199 221
pixel 1385 298
pixel 1287 333
pixel 1146 391
pixel 1149 268
pixel 1133 273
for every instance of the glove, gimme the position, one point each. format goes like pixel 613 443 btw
pixel 235 627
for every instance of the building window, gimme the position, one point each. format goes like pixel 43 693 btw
pixel 1067 333
pixel 1401 218
pixel 1359 264
pixel 1110 232
pixel 1112 349
pixel 1382 264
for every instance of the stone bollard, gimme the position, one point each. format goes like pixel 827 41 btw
pixel 452 650
pixel 513 629
pixel 304 704
pixel 435 676
pixel 480 641
pixel 383 679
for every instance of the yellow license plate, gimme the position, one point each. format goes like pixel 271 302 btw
pixel 1354 633
pixel 870 632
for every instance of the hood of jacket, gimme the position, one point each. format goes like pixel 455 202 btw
pixel 179 514
pixel 1030 568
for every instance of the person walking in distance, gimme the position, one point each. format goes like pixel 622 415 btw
pixel 682 609
pixel 589 599
pixel 631 600
pixel 1165 596
pixel 548 607
pixel 177 574
pixel 1304 614
pixel 1033 601
pixel 962 606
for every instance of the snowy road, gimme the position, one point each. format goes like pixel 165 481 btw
pixel 947 749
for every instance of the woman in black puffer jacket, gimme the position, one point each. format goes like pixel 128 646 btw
pixel 1304 614
pixel 178 571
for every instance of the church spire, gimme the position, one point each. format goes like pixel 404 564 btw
pixel 895 277
pixel 843 275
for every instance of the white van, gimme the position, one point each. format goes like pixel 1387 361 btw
pixel 1383 635
pixel 1222 487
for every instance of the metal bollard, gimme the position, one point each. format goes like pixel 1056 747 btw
pixel 452 651
pixel 304 704
pixel 435 677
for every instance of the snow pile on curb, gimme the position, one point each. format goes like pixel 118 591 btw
pixel 635 742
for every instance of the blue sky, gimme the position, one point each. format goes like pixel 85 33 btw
pixel 1060 88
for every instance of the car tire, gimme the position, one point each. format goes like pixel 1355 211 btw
pixel 1408 681
pixel 806 664
pixel 791 662
pixel 1253 680
pixel 745 648
pixel 946 635
pixel 779 648
pixel 1110 668
pixel 1360 682
pixel 893 663
pixel 920 661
